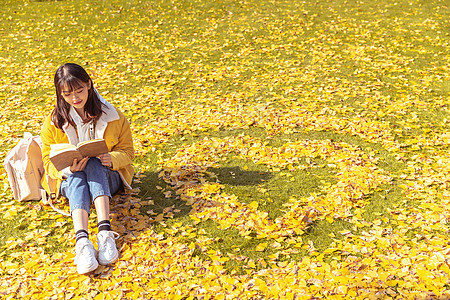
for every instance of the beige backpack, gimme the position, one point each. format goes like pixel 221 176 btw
pixel 25 169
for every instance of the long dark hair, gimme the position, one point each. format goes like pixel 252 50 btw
pixel 73 76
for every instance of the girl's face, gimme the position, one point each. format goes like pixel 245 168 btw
pixel 77 97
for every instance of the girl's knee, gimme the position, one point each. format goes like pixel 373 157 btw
pixel 93 163
pixel 77 176
pixel 74 181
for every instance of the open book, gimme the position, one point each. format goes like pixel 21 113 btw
pixel 62 155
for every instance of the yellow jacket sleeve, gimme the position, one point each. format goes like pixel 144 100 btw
pixel 51 135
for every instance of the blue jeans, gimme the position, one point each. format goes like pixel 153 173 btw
pixel 81 188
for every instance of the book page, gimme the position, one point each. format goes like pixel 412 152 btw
pixel 80 144
pixel 65 157
pixel 93 148
pixel 60 147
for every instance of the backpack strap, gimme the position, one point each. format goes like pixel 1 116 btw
pixel 48 199
pixel 52 197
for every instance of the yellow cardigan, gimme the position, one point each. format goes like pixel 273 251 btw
pixel 112 126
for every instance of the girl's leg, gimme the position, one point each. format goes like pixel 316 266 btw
pixel 102 208
pixel 103 183
pixel 102 180
pixel 80 219
pixel 76 189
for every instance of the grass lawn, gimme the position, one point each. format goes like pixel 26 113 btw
pixel 284 149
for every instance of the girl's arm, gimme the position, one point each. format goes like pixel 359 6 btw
pixel 50 135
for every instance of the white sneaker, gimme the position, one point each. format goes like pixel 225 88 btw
pixel 107 250
pixel 85 258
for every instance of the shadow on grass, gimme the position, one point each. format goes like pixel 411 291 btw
pixel 155 190
pixel 156 197
pixel 238 177
pixel 161 195
pixel 257 184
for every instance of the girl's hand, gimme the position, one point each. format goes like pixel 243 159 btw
pixel 105 159
pixel 78 166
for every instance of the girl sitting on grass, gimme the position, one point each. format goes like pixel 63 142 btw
pixel 82 114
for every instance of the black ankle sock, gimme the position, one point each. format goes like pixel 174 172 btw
pixel 81 234
pixel 104 225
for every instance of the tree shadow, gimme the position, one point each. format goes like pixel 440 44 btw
pixel 135 213
pixel 238 177
pixel 155 197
